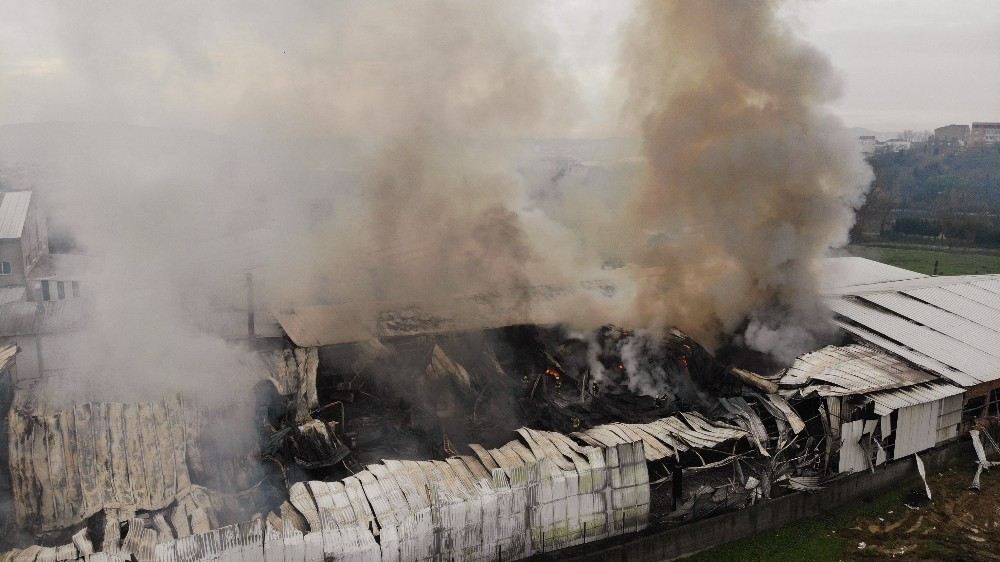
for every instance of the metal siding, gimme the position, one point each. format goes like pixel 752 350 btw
pixel 852 456
pixel 916 428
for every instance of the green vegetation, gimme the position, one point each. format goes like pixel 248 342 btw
pixel 959 524
pixel 814 539
pixel 934 193
pixel 921 260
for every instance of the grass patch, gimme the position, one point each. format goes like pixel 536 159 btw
pixel 814 539
pixel 949 262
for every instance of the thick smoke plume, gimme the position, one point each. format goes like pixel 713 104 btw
pixel 750 180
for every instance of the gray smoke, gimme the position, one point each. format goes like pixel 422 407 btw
pixel 750 180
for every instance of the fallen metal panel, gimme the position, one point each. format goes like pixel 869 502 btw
pixel 786 409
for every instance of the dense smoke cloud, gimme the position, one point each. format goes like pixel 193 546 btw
pixel 750 180
pixel 359 151
pixel 362 151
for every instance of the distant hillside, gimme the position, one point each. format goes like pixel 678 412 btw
pixel 935 193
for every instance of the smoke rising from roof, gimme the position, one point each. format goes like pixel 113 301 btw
pixel 367 150
pixel 750 180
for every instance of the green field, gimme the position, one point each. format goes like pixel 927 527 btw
pixel 949 262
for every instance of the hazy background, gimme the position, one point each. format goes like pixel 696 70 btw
pixel 906 64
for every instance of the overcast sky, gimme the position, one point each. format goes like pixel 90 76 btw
pixel 906 64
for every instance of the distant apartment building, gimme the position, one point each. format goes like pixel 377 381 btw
pixel 984 134
pixel 952 134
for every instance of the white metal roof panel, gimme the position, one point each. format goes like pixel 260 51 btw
pixel 976 335
pixel 910 284
pixel 991 284
pixel 958 305
pixel 13 213
pixel 915 357
pixel 977 294
pixel 849 271
pixel 948 350
pixel 890 400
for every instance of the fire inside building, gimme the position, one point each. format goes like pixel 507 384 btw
pixel 417 437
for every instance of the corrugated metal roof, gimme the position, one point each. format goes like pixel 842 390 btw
pixel 959 305
pixel 312 326
pixel 852 369
pixel 13 212
pixel 891 400
pixel 850 271
pixel 919 359
pixel 949 325
pixel 950 351
pixel 976 335
pixel 949 281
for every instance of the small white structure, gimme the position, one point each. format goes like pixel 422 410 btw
pixel 879 407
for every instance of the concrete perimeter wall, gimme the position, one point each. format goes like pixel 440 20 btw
pixel 685 540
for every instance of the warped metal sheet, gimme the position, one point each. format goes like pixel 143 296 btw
pixel 948 350
pixel 852 368
pixel 915 357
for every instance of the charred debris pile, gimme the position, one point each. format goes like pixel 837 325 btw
pixel 131 478
pixel 729 436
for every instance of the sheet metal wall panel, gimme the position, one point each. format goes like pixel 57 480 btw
pixel 916 428
pixel 949 418
pixel 852 455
